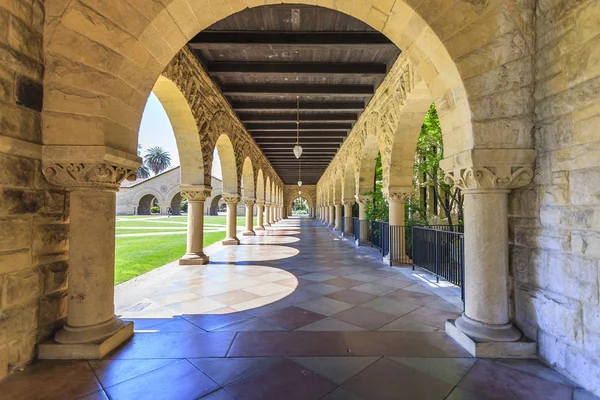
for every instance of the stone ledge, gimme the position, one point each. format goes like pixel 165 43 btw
pixel 50 350
pixel 523 348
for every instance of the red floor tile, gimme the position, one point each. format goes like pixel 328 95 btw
pixel 293 317
pixel 274 344
pixel 282 380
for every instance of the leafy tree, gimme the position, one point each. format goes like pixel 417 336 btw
pixel 427 171
pixel 157 159
pixel 378 209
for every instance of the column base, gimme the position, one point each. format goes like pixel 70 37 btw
pixel 362 243
pixel 523 348
pixel 266 224
pixel 331 225
pixel 347 234
pixel 248 233
pixel 194 259
pixel 88 334
pixel 230 241
pixel 51 350
pixel 259 228
pixel 487 332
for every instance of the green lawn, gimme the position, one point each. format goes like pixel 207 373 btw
pixel 136 255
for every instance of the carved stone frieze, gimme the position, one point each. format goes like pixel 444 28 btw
pixel 100 175
pixel 364 198
pixel 249 202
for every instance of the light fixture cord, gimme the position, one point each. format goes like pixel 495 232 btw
pixel 297 119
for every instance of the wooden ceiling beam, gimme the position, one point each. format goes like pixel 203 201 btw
pixel 279 117
pixel 249 106
pixel 266 89
pixel 296 69
pixel 304 126
pixel 228 40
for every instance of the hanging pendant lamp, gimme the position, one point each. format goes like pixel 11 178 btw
pixel 297 147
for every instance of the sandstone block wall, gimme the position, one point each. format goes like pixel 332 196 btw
pixel 33 215
pixel 555 224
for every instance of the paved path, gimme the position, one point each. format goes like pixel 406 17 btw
pixel 295 313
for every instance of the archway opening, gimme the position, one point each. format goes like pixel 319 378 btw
pixel 300 206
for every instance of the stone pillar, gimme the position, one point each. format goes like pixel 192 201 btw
pixel 267 213
pixel 92 329
pixel 338 216
pixel 195 225
pixel 348 203
pixel 485 178
pixel 363 240
pixel 249 217
pixel 232 201
pixel 260 206
pixel 397 198
pixel 332 215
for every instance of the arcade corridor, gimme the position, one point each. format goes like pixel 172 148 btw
pixel 294 313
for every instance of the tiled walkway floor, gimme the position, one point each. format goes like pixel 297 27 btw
pixel 294 313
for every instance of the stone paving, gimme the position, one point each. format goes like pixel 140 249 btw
pixel 294 313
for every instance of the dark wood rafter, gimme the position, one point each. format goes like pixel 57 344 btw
pixel 263 58
pixel 320 106
pixel 268 89
pixel 296 69
pixel 226 40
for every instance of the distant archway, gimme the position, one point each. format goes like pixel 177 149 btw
pixel 226 152
pixel 176 204
pixel 145 204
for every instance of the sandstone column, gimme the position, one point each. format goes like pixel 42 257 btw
pixel 348 203
pixel 91 329
pixel 232 200
pixel 249 217
pixel 332 215
pixel 397 198
pixel 260 205
pixel 267 213
pixel 195 225
pixel 485 178
pixel 338 216
pixel 363 240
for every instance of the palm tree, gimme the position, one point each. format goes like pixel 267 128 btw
pixel 143 172
pixel 157 159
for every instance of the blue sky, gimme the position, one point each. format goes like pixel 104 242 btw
pixel 156 130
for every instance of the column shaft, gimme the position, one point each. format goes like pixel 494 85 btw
pixel 331 215
pixel 231 238
pixel 487 314
pixel 249 218
pixel 195 235
pixel 338 216
pixel 90 313
pixel 259 216
pixel 348 218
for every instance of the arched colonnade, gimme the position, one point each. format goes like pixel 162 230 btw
pixel 445 52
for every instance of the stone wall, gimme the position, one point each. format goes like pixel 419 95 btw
pixel 555 224
pixel 33 222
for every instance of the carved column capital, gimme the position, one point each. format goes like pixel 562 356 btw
pixel 398 195
pixel 195 193
pixel 348 202
pixel 260 203
pixel 364 198
pixel 490 169
pixel 99 175
pixel 249 202
pixel 231 199
pixel 337 203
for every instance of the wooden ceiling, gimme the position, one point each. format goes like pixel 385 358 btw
pixel 264 58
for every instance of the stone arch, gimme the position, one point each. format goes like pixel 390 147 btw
pixel 410 121
pixel 349 188
pixel 154 193
pixel 248 179
pixel 144 204
pixel 214 205
pixel 175 204
pixel 120 68
pixel 228 164
pixel 260 186
pixel 367 162
pixel 186 131
pixel 268 189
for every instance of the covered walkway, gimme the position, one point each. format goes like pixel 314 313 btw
pixel 293 313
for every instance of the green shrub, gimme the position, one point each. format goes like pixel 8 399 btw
pixel 155 210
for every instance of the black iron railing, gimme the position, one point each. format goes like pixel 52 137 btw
pixel 440 252
pixel 380 236
pixel 356 228
pixel 399 251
